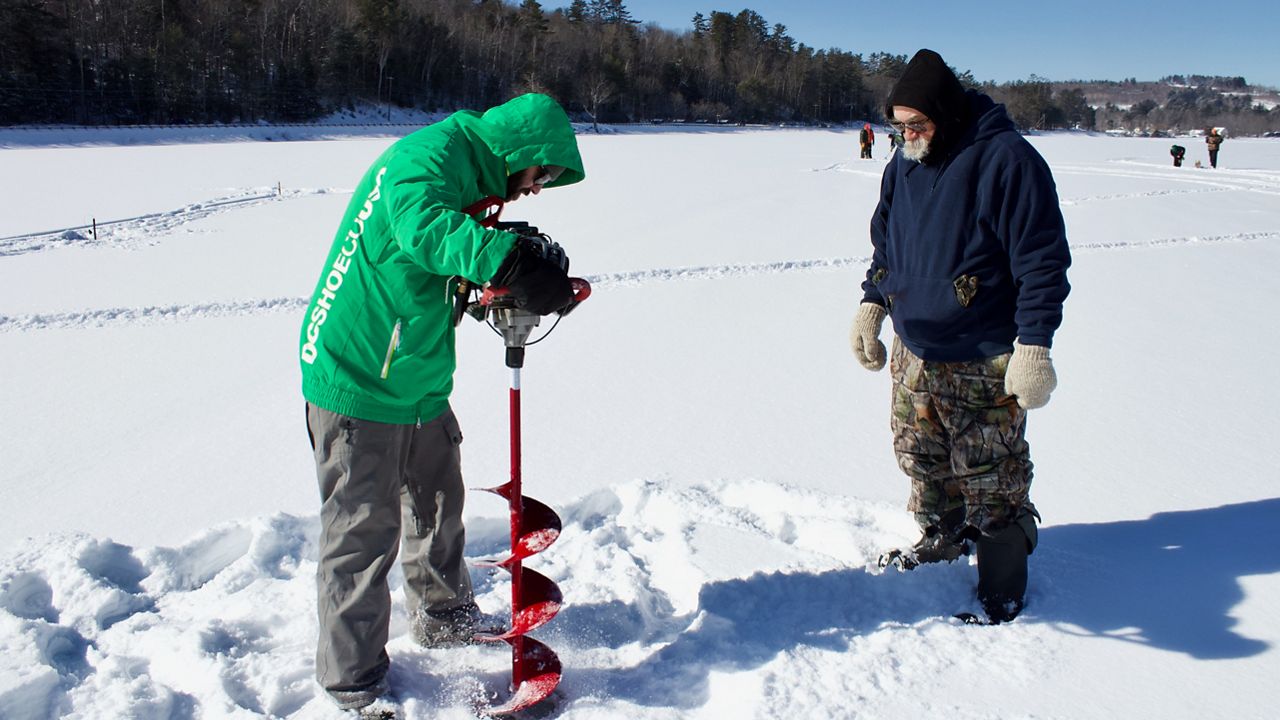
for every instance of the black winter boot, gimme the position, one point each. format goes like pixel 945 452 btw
pixel 1002 570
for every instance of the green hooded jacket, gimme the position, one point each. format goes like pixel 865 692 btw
pixel 377 341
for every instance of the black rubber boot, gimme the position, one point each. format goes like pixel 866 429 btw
pixel 1002 569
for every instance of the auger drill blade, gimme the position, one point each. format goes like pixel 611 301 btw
pixel 535 673
pixel 540 599
pixel 537 527
pixel 503 490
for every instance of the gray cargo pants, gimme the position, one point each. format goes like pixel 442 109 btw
pixel 378 481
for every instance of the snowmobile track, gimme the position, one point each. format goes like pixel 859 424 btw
pixel 637 278
pixel 143 230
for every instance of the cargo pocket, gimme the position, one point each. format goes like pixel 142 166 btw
pixel 452 430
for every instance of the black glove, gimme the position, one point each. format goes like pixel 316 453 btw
pixel 536 273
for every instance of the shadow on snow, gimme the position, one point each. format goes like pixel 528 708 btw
pixel 1168 582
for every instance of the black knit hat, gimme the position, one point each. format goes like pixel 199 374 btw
pixel 929 86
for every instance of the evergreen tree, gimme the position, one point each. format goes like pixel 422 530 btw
pixel 700 26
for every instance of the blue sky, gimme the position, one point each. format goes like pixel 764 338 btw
pixel 1003 40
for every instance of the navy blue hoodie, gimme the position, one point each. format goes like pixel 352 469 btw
pixel 970 250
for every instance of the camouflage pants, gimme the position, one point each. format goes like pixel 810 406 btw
pixel 960 438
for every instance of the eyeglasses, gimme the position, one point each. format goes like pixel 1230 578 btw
pixel 916 126
pixel 547 174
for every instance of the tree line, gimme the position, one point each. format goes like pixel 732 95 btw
pixel 183 61
pixel 244 61
pixel 1174 105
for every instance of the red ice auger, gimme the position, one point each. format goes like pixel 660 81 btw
pixel 535 599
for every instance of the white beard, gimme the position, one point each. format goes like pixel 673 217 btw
pixel 916 149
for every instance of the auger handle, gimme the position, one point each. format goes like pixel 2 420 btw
pixel 581 291
pixel 492 293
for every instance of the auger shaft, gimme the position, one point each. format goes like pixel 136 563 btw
pixel 516 503
pixel 535 599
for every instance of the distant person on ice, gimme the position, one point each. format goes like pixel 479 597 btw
pixel 866 138
pixel 1213 139
pixel 1178 152
pixel 895 141
pixel 969 260
pixel 377 352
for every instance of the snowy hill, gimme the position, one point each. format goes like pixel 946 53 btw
pixel 721 463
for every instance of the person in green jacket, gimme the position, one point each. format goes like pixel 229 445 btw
pixel 377 356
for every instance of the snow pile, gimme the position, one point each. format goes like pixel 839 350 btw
pixel 662 584
pixel 725 593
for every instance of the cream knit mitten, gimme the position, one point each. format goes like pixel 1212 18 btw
pixel 1030 375
pixel 864 336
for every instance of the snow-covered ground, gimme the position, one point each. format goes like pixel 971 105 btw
pixel 722 464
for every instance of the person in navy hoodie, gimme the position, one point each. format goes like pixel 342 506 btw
pixel 970 260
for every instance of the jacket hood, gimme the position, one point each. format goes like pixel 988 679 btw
pixel 531 130
pixel 992 118
pixel 928 85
